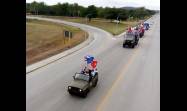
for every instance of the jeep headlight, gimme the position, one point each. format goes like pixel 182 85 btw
pixel 69 87
pixel 80 90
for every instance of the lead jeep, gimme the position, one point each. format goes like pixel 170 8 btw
pixel 82 84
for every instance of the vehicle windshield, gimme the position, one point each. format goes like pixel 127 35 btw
pixel 82 77
pixel 146 24
pixel 129 36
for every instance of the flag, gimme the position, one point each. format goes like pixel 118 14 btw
pixel 89 59
pixel 94 64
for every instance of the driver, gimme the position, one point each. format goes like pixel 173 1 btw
pixel 86 70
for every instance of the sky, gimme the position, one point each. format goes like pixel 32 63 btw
pixel 149 4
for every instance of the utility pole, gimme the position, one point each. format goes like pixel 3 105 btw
pixel 86 24
pixel 69 36
pixel 117 22
pixel 63 35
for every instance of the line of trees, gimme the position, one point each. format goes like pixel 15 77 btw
pixel 75 10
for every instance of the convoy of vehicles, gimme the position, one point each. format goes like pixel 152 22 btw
pixel 87 79
pixel 132 36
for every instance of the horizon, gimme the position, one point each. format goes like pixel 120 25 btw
pixel 107 3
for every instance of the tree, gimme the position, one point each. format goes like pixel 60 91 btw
pixel 37 8
pixel 28 7
pixel 82 11
pixel 42 8
pixel 122 13
pixel 66 9
pixel 111 13
pixel 71 10
pixel 33 7
pixel 101 12
pixel 91 12
pixel 141 13
pixel 56 9
pixel 76 9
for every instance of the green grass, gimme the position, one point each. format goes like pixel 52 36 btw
pixel 104 24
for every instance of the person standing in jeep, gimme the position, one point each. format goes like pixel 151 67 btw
pixel 91 64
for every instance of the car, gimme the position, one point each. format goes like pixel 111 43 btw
pixel 146 26
pixel 131 40
pixel 82 83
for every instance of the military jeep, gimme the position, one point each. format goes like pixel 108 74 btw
pixel 131 40
pixel 82 84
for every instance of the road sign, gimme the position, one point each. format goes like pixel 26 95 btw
pixel 68 34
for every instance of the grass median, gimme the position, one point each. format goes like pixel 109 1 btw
pixel 104 24
pixel 45 39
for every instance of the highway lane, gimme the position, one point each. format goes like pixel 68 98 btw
pixel 128 78
pixel 138 84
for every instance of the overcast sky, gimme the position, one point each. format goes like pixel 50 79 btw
pixel 150 4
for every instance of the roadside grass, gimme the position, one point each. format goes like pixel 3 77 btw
pixel 44 39
pixel 104 24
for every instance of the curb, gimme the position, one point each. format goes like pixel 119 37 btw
pixel 54 58
pixel 59 56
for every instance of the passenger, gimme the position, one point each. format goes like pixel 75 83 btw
pixel 83 70
pixel 141 25
pixel 129 29
pixel 91 64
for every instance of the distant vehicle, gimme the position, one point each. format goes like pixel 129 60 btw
pixel 82 83
pixel 131 40
pixel 140 31
pixel 146 26
pixel 116 21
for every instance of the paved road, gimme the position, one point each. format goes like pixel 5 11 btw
pixel 129 79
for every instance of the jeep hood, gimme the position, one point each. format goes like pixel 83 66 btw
pixel 129 38
pixel 79 83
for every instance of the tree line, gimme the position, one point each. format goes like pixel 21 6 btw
pixel 75 10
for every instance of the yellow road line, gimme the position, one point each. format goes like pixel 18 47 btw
pixel 101 105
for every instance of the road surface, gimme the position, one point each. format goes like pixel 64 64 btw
pixel 129 79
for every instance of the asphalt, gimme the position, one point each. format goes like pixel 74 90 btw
pixel 129 79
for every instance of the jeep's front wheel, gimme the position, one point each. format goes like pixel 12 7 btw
pixel 132 46
pixel 85 93
pixel 123 45
pixel 95 83
pixel 70 93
